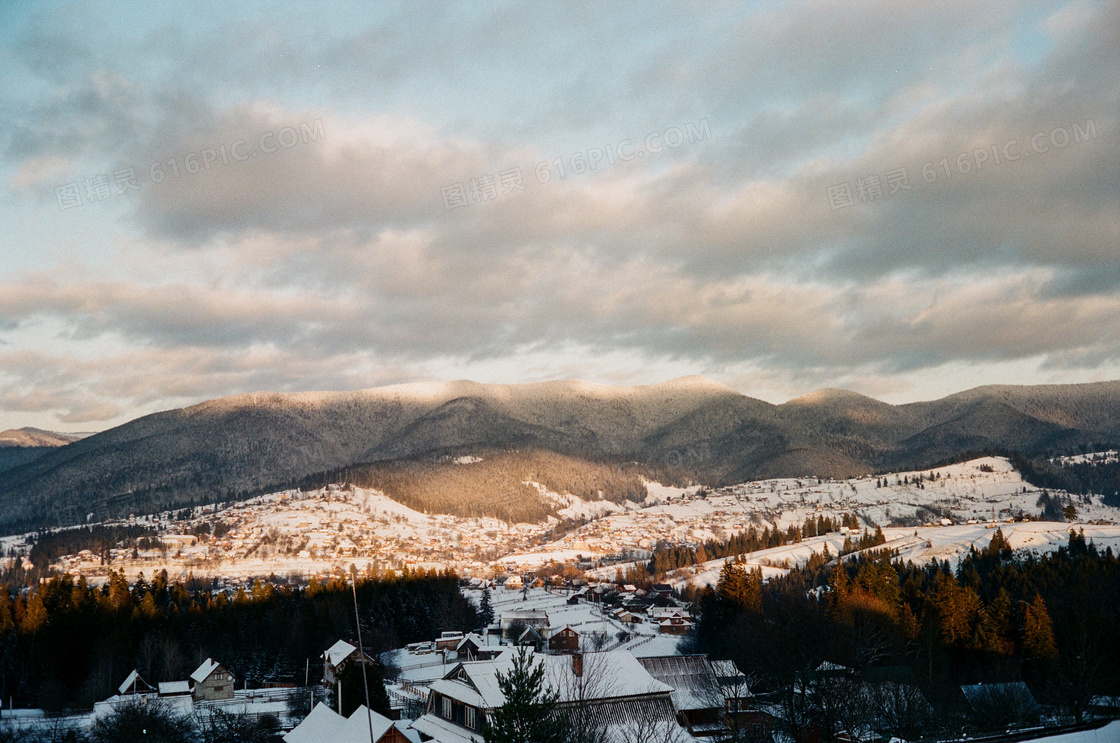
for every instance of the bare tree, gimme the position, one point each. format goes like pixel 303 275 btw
pixel 729 691
pixel 642 729
pixel 901 710
pixel 582 683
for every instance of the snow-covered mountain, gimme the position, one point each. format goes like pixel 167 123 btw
pixel 686 429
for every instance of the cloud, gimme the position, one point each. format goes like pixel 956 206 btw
pixel 328 246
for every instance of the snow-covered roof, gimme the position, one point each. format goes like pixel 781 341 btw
pixel 692 677
pixel 403 726
pixel 514 614
pixel 438 729
pixel 471 637
pixel 726 669
pixel 458 690
pixel 167 688
pixel 133 678
pixel 324 724
pixel 617 673
pixel 203 671
pixel 338 652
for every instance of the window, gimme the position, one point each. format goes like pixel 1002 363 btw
pixel 447 708
pixel 219 688
pixel 469 718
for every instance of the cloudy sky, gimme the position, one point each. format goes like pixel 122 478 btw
pixel 902 199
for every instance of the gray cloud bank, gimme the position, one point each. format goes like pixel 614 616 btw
pixel 336 262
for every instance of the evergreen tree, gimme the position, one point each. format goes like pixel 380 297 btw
pixel 486 609
pixel 1038 632
pixel 526 716
pixel 353 690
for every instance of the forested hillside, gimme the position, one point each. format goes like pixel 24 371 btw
pixel 65 644
pixel 902 639
pixel 402 439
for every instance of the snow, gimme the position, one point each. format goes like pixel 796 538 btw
pixel 128 682
pixel 325 531
pixel 1110 733
pixel 168 688
pixel 466 459
pixel 203 672
pixel 324 724
pixel 339 652
pixel 930 543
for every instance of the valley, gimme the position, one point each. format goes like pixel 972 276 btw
pixel 300 534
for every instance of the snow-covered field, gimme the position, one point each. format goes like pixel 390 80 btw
pixel 330 529
pixel 919 545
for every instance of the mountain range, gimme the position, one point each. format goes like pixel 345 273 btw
pixel 686 429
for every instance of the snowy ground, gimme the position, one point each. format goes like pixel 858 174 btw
pixel 1110 733
pixel 930 543
pixel 587 619
pixel 328 530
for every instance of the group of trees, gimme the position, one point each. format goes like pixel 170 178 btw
pixel 494 486
pixel 151 722
pixel 67 644
pixel 1100 475
pixel 909 636
pixel 667 557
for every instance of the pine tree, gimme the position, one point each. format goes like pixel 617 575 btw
pixel 486 609
pixel 1038 631
pixel 36 617
pixel 526 716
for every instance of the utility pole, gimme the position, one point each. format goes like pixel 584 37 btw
pixel 361 649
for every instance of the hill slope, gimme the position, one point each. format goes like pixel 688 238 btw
pixel 21 445
pixel 686 429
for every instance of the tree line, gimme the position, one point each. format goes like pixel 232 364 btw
pixel 667 557
pixel 66 644
pixel 903 638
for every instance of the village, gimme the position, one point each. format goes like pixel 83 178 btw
pixel 617 658
pixel 297 535
pixel 625 650
pixel 624 639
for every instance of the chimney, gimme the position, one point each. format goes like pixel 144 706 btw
pixel 577 664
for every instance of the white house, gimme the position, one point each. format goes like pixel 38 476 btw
pixel 324 725
pixel 336 658
pixel 610 690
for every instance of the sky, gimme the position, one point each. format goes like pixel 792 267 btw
pixel 901 199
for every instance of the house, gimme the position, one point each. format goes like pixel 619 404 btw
pixel 744 713
pixel 475 647
pixel 629 617
pixel 675 625
pixel 530 637
pixel 997 706
pixel 336 658
pixel 448 641
pixel 514 621
pixel 133 684
pixel 326 725
pixel 174 688
pixel 212 681
pixel 617 694
pixel 697 695
pixel 564 640
pixel 657 613
pixel 828 669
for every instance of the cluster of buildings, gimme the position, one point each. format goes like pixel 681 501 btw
pixel 210 687
pixel 673 699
